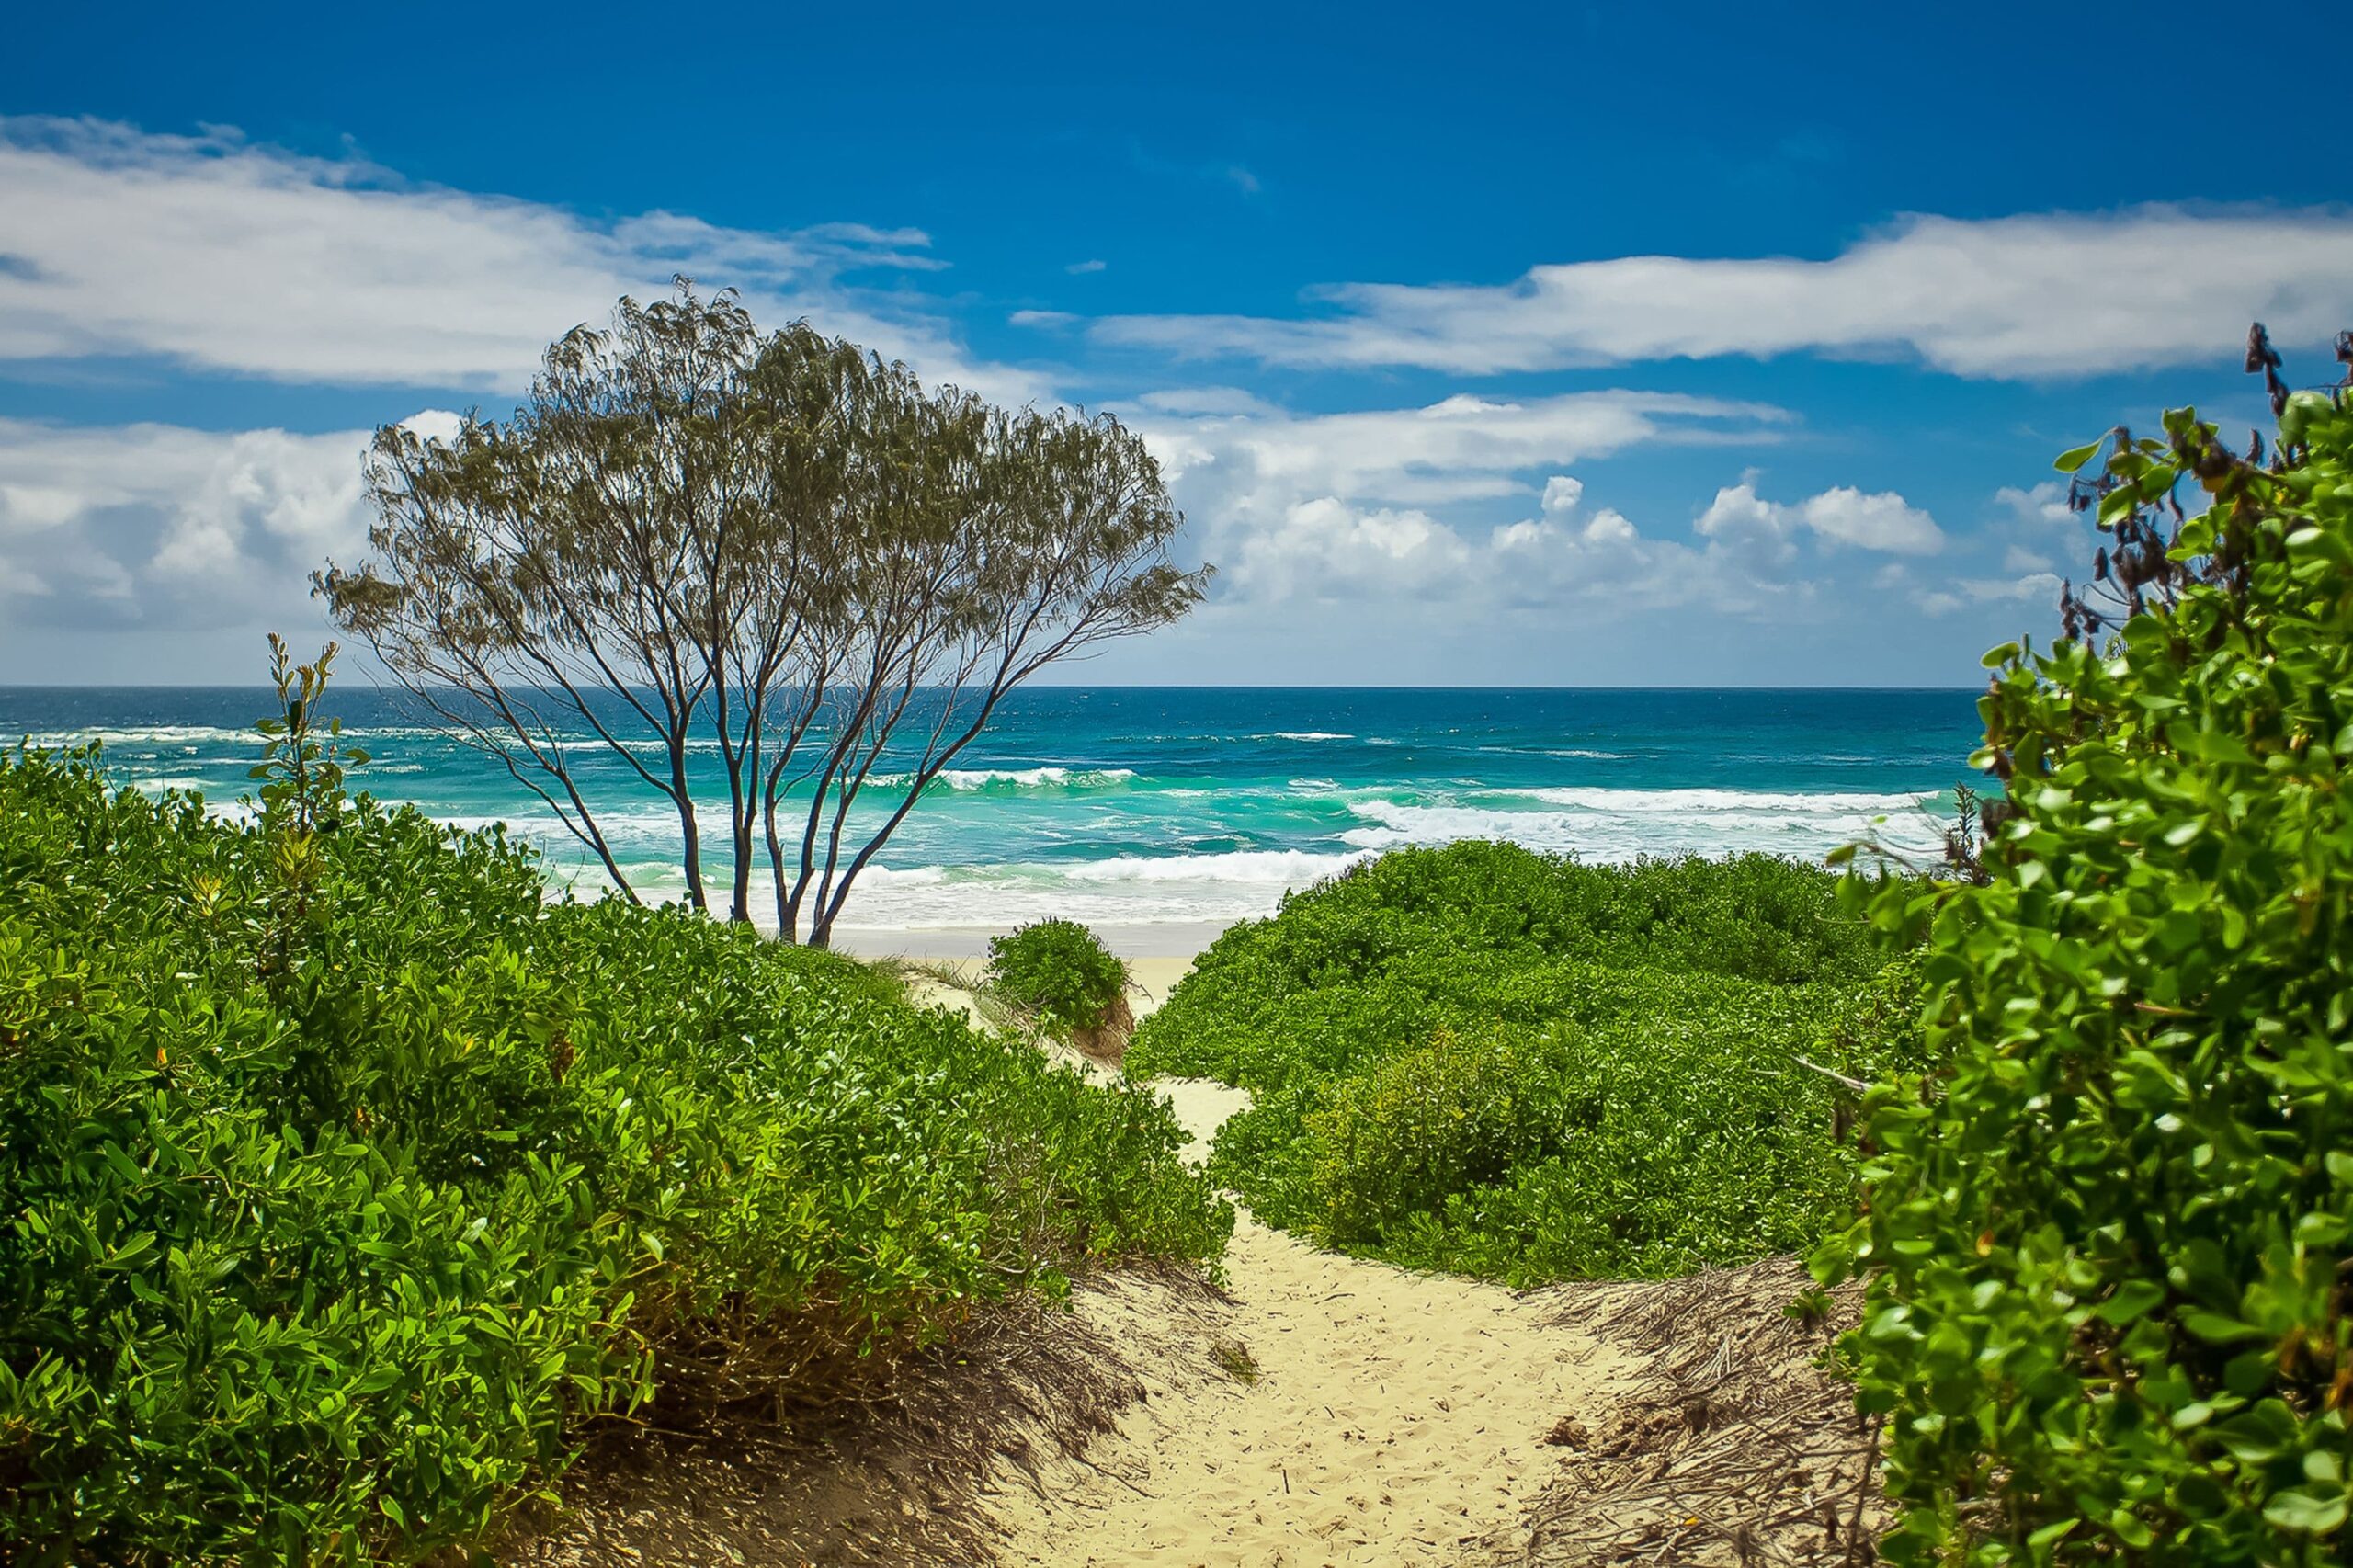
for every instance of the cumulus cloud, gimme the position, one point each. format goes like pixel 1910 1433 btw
pixel 1752 531
pixel 148 525
pixel 1388 502
pixel 1541 562
pixel 2029 296
pixel 1325 549
pixel 222 255
pixel 1882 521
pixel 1600 562
pixel 1762 534
pixel 1561 493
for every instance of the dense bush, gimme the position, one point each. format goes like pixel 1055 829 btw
pixel 1482 1058
pixel 2114 1246
pixel 1059 973
pixel 344 1177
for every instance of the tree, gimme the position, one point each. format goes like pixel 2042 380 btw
pixel 694 530
pixel 2113 1314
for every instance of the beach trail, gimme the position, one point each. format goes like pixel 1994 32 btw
pixel 1333 1410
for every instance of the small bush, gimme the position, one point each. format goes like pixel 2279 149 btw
pixel 1402 1139
pixel 1061 974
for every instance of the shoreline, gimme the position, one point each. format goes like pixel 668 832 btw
pixel 1156 942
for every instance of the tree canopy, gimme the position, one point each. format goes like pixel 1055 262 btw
pixel 694 532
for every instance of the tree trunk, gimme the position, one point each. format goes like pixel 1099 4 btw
pixel 690 833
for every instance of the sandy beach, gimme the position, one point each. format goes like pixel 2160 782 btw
pixel 1153 944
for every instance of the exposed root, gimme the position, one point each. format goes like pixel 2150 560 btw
pixel 1107 1041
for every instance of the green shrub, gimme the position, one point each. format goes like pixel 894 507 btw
pixel 2110 1321
pixel 1487 1060
pixel 346 1177
pixel 1060 973
pixel 1401 1139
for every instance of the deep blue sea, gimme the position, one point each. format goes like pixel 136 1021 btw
pixel 1138 806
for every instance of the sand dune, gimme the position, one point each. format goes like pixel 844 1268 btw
pixel 1394 1418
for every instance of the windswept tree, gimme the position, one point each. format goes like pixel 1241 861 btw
pixel 693 533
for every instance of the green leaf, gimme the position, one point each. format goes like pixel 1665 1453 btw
pixel 2131 1300
pixel 2050 1532
pixel 2216 1329
pixel 2308 1510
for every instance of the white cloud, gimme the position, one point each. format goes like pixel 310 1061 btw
pixel 1381 503
pixel 1753 531
pixel 2033 586
pixel 2018 560
pixel 1260 460
pixel 2046 503
pixel 1762 535
pixel 1325 549
pixel 222 255
pixel 1882 521
pixel 1605 563
pixel 1210 400
pixel 1080 268
pixel 156 525
pixel 2035 295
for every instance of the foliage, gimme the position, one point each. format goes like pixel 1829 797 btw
pixel 693 532
pixel 336 1204
pixel 2114 1244
pixel 1483 1058
pixel 1058 971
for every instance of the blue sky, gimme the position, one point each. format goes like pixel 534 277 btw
pixel 1705 344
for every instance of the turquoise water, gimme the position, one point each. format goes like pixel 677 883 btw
pixel 1133 805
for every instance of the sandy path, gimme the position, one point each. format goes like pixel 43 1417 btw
pixel 1395 1418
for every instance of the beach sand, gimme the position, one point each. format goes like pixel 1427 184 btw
pixel 1158 943
pixel 1333 1411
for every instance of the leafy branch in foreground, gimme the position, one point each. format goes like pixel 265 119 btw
pixel 2112 1317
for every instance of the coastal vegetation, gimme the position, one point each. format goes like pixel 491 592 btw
pixel 350 1182
pixel 1483 1058
pixel 696 534
pixel 2110 1242
pixel 1060 974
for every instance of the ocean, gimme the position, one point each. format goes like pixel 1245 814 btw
pixel 1136 807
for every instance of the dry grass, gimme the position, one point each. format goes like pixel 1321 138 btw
pixel 901 1478
pixel 1731 1447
